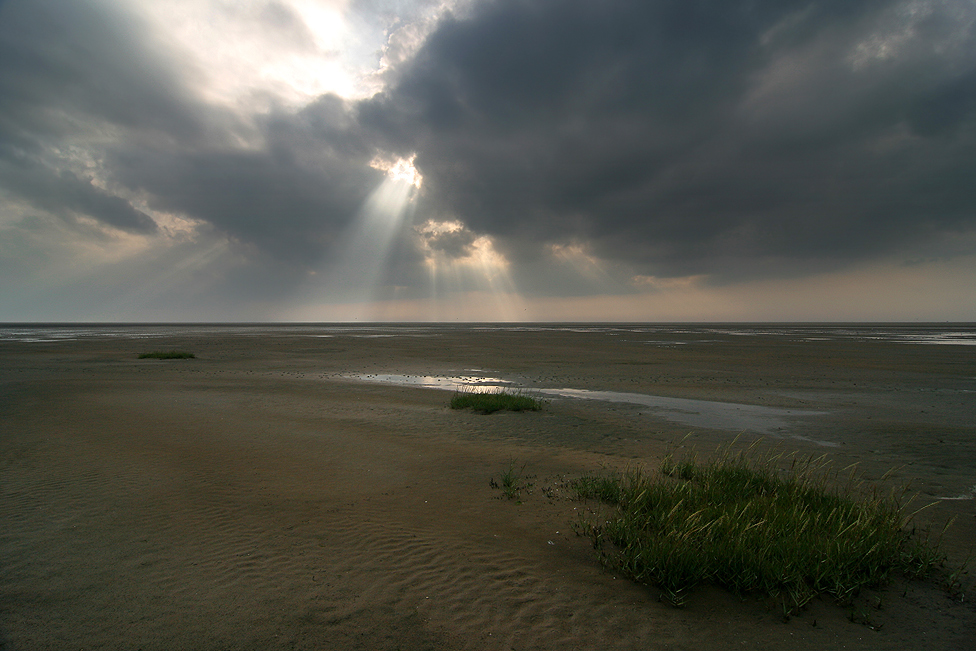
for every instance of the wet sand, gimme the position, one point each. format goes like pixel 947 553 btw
pixel 261 497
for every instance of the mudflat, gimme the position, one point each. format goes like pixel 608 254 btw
pixel 271 493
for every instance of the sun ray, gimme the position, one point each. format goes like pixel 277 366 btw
pixel 466 271
pixel 361 256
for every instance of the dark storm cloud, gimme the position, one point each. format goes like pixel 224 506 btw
pixel 944 110
pixel 730 137
pixel 291 197
pixel 64 193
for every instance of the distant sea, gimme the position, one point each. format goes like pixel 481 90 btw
pixel 959 334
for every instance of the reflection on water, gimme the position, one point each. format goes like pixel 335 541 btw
pixel 450 383
pixel 695 413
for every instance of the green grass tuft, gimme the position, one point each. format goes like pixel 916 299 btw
pixel 167 354
pixel 742 523
pixel 490 402
pixel 511 482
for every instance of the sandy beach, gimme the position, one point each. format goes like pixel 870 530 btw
pixel 272 494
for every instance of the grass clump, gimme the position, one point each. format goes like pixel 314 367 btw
pixel 490 402
pixel 511 483
pixel 745 525
pixel 167 354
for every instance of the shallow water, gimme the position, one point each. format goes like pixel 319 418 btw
pixel 695 413
pixel 703 413
pixel 447 382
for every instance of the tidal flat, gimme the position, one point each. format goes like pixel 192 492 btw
pixel 271 493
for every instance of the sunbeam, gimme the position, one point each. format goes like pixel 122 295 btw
pixel 466 270
pixel 576 257
pixel 362 254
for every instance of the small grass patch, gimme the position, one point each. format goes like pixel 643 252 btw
pixel 490 402
pixel 742 522
pixel 167 354
pixel 511 483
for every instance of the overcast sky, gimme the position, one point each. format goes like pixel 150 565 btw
pixel 571 160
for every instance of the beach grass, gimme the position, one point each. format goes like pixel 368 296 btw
pixel 492 401
pixel 755 524
pixel 167 354
pixel 511 483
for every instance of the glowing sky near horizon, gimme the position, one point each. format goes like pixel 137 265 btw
pixel 487 160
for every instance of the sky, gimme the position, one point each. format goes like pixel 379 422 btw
pixel 487 160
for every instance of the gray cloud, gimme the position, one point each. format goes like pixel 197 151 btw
pixel 690 137
pixel 73 76
pixel 66 64
pixel 63 193
pixel 291 197
pixel 454 244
